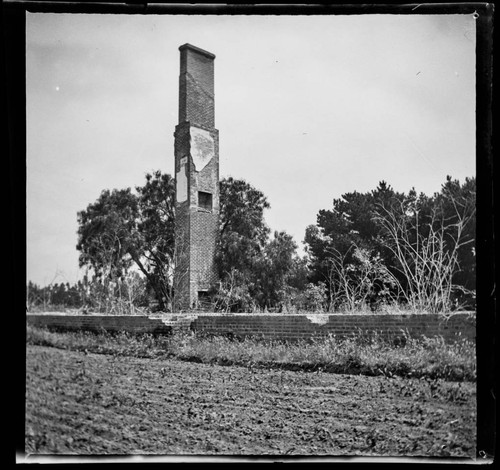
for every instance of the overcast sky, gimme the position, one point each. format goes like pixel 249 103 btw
pixel 308 108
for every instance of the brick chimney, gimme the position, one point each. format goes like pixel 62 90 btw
pixel 196 178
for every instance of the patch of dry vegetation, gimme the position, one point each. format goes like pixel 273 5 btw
pixel 429 357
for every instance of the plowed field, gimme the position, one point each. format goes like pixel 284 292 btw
pixel 88 404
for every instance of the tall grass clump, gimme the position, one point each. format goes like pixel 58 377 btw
pixel 369 355
pixel 102 342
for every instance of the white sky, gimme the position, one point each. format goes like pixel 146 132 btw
pixel 308 108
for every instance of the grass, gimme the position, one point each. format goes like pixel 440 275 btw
pixel 430 358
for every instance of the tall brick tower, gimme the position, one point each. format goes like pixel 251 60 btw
pixel 196 179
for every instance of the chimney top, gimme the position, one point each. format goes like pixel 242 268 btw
pixel 197 49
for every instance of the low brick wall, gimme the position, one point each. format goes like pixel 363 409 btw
pixel 97 323
pixel 321 325
pixel 272 326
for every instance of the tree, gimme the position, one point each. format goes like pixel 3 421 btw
pixel 54 296
pixel 399 245
pixel 122 229
pixel 241 244
pixel 458 205
pixel 431 238
pixel 107 233
pixel 341 232
pixel 243 231
pixel 35 296
pixel 273 270
pixel 253 270
pixel 156 230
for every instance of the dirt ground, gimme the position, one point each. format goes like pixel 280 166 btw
pixel 88 404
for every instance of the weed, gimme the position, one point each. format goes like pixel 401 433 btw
pixel 430 358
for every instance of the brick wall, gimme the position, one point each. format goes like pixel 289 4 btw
pixel 320 325
pixel 97 323
pixel 275 326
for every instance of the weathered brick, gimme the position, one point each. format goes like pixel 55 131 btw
pixel 279 327
pixel 196 225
